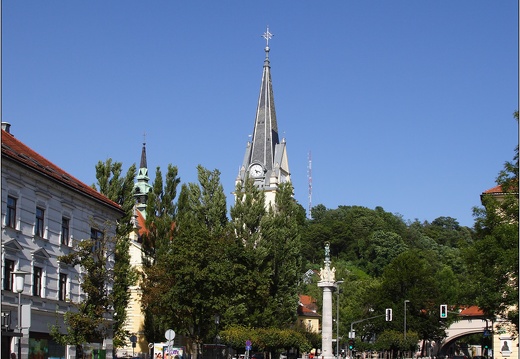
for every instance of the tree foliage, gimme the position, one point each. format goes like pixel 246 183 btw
pixel 250 270
pixel 493 259
pixel 105 284
pixel 90 321
pixel 282 265
pixel 157 252
pixel 268 257
pixel 272 340
pixel 386 261
pixel 393 341
pixel 120 190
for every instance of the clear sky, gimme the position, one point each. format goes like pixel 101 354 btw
pixel 407 105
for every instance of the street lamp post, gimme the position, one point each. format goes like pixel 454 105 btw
pixel 19 279
pixel 337 318
pixel 406 301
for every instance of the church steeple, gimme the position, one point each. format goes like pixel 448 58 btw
pixel 265 159
pixel 265 134
pixel 142 187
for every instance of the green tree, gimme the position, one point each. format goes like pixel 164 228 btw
pixel 447 231
pixel 90 322
pixel 347 229
pixel 190 279
pixel 357 302
pixel 250 273
pixel 282 265
pixel 272 340
pixel 379 249
pixel 393 341
pixel 416 276
pixel 120 190
pixel 493 259
pixel 157 249
pixel 268 257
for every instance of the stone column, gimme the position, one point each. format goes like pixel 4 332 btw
pixel 326 325
pixel 328 283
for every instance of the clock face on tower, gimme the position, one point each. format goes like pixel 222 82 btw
pixel 256 171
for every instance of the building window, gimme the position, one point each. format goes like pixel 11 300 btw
pixel 62 290
pixel 37 282
pixel 40 213
pixel 65 223
pixel 8 274
pixel 10 216
pixel 96 236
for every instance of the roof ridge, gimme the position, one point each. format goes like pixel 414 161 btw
pixel 21 153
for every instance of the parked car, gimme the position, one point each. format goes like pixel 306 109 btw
pixel 257 356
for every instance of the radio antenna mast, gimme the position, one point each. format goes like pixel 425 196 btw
pixel 309 175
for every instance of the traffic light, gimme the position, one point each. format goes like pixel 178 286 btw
pixel 388 314
pixel 486 343
pixel 444 311
pixel 350 344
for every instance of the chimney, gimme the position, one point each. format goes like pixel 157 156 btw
pixel 6 126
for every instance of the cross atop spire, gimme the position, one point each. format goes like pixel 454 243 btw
pixel 267 36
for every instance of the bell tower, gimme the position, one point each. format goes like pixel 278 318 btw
pixel 142 187
pixel 265 160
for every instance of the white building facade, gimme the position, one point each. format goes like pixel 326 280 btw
pixel 45 211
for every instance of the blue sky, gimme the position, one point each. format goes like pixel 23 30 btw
pixel 407 105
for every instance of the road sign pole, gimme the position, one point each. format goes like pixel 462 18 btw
pixel 248 348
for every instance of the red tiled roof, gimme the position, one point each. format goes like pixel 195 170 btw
pixel 20 153
pixel 496 189
pixel 472 311
pixel 307 299
pixel 307 306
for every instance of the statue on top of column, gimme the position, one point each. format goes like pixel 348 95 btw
pixel 327 274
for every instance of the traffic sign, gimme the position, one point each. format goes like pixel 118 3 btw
pixel 133 339
pixel 169 335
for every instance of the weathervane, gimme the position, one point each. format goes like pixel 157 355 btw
pixel 267 36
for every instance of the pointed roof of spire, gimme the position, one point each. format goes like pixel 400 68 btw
pixel 265 159
pixel 265 135
pixel 143 157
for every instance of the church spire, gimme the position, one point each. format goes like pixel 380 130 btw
pixel 142 187
pixel 265 133
pixel 143 157
pixel 265 159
